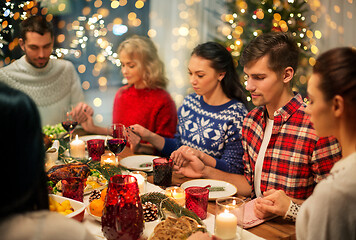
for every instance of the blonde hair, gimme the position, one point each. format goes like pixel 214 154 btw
pixel 143 50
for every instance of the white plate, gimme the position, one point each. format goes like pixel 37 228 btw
pixel 228 191
pixel 134 162
pixel 89 137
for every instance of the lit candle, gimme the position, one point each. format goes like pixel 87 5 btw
pixel 177 194
pixel 77 148
pixel 108 158
pixel 225 225
pixel 141 181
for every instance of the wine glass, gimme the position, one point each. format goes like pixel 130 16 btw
pixel 119 140
pixel 68 122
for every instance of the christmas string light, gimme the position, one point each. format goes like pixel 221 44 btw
pixel 249 19
pixel 96 26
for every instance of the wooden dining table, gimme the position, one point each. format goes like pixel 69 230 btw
pixel 277 228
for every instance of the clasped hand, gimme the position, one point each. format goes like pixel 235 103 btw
pixel 186 161
pixel 81 112
pixel 274 202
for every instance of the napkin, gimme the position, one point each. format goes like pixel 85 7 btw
pixel 250 219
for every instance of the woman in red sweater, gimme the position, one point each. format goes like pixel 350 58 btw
pixel 144 99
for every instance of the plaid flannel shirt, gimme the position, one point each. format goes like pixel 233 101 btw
pixel 296 158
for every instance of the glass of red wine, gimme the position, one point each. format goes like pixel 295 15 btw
pixel 119 140
pixel 68 122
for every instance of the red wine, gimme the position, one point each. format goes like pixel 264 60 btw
pixel 116 145
pixel 69 125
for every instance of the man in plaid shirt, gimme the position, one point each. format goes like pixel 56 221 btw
pixel 281 148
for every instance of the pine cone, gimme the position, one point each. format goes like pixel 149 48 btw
pixel 150 212
pixel 95 194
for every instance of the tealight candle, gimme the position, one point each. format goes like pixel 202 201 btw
pixel 141 180
pixel 229 217
pixel 226 225
pixel 108 158
pixel 177 194
pixel 77 148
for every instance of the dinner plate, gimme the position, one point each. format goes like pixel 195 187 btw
pixel 139 162
pixel 85 138
pixel 228 189
pixel 89 191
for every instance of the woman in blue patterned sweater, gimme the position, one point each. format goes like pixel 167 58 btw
pixel 209 120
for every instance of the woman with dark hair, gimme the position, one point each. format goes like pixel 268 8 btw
pixel 209 120
pixel 329 213
pixel 24 206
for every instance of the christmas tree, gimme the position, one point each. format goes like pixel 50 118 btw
pixel 249 19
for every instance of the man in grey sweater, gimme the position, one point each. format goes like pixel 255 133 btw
pixel 53 84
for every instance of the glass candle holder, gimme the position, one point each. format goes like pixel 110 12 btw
pixel 196 200
pixel 122 214
pixel 141 178
pixel 162 172
pixel 229 217
pixel 73 187
pixel 96 148
pixel 108 158
pixel 177 194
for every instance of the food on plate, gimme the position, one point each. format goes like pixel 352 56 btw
pixel 175 228
pixel 103 194
pixel 53 131
pixel 62 208
pixel 94 181
pixel 60 172
pixel 96 207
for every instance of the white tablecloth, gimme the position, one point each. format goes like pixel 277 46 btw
pixel 94 226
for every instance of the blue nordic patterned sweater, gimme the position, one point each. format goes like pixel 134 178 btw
pixel 215 130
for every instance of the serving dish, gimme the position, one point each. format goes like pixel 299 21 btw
pixel 79 207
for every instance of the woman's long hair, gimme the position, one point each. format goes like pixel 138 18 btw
pixel 22 154
pixel 222 61
pixel 145 52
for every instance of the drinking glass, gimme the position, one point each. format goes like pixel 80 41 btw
pixel 162 172
pixel 119 140
pixel 73 187
pixel 68 122
pixel 122 214
pixel 229 217
pixel 196 200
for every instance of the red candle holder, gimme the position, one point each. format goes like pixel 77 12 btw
pixel 162 172
pixel 73 187
pixel 122 214
pixel 96 148
pixel 196 200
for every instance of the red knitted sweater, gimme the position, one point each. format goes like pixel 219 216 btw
pixel 154 109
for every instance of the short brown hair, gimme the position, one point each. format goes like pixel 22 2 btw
pixel 35 23
pixel 280 47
